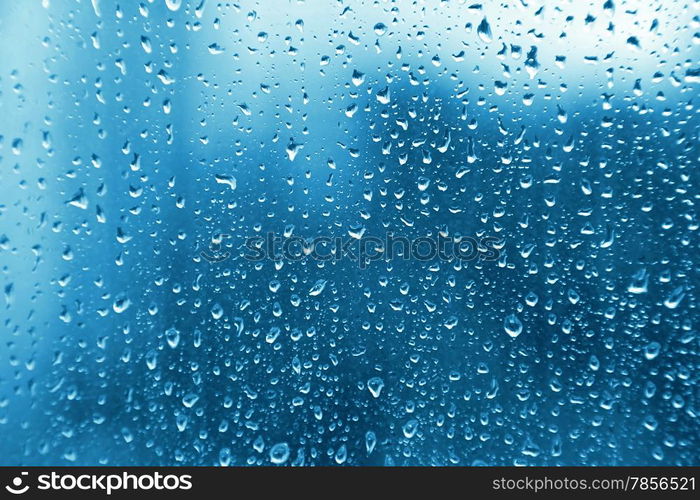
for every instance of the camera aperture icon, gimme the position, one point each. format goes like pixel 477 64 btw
pixel 16 487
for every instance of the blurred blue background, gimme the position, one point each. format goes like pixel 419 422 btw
pixel 133 134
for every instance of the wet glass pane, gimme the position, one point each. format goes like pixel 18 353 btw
pixel 349 232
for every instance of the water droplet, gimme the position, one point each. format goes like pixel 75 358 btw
pixel 173 5
pixel 380 29
pixel 675 297
pixel 279 453
pixel 512 325
pixel 172 336
pixel 370 441
pixel 375 385
pixel 318 287
pixel 484 31
pixel 652 350
pixel 190 400
pixel 410 428
pixel 217 311
pixel 639 283
pixel 228 180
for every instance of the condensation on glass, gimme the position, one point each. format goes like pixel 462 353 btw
pixel 349 232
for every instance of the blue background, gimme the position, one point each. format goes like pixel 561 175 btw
pixel 122 345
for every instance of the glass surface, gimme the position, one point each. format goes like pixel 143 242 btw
pixel 349 232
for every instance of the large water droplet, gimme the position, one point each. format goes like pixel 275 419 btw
pixel 512 325
pixel 279 453
pixel 375 385
pixel 318 287
pixel 484 31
